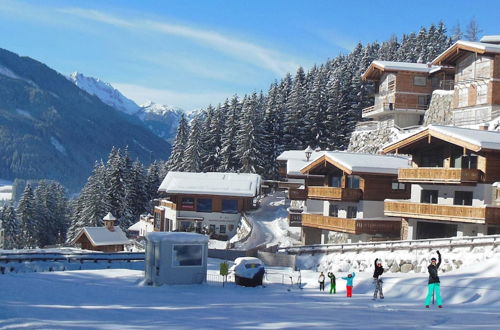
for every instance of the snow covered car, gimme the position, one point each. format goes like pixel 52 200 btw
pixel 248 271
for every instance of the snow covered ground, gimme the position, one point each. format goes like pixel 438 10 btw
pixel 115 299
pixel 5 189
pixel 270 224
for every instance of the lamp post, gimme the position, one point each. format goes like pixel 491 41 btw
pixel 308 152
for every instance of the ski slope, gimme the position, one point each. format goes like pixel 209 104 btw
pixel 115 299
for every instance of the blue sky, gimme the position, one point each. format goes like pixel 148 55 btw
pixel 193 53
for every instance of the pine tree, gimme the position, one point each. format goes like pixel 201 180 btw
pixel 228 158
pixel 153 181
pixel 293 126
pixel 135 198
pixel 27 218
pixel 11 227
pixel 194 152
pixel 176 159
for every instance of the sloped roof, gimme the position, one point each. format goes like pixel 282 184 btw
pixel 473 139
pixel 212 183
pixel 450 54
pixel 296 160
pixel 392 66
pixel 100 236
pixel 354 162
pixel 491 39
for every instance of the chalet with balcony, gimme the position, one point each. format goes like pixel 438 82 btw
pixel 454 181
pixel 211 203
pixel 476 67
pixel 345 197
pixel 403 90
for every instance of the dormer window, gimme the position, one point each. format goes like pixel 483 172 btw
pixel 420 81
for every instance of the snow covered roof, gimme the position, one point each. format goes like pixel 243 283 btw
pixel 136 226
pixel 212 183
pixel 296 160
pixel 450 54
pixel 399 66
pixel 473 139
pixel 178 237
pixel 109 217
pixel 355 162
pixel 491 39
pixel 100 236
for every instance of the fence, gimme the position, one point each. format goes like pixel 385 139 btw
pixel 469 241
pixel 73 257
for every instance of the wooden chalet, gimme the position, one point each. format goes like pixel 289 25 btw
pixel 403 90
pixel 344 196
pixel 105 239
pixel 476 67
pixel 454 181
pixel 211 203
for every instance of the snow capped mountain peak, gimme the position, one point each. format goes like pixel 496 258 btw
pixel 158 109
pixel 105 92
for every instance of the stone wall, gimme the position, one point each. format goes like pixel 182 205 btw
pixel 371 141
pixel 440 108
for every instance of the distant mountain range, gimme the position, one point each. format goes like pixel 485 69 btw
pixel 51 129
pixel 162 120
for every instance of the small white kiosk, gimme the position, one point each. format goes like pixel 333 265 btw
pixel 176 258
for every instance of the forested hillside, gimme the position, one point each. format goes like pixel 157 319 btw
pixel 318 107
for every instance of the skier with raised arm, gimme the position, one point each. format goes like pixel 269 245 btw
pixel 434 285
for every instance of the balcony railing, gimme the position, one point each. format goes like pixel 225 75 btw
pixel 352 226
pixel 168 204
pixel 437 174
pixel 457 213
pixel 334 193
pixel 394 106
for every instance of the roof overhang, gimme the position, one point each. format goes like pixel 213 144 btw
pixel 455 51
pixel 428 133
pixel 323 160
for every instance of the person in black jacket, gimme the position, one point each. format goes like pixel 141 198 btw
pixel 434 285
pixel 377 281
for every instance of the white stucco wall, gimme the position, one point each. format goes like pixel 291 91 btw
pixel 481 193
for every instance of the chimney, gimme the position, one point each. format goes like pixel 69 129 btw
pixel 484 127
pixel 109 221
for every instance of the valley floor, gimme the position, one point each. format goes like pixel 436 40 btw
pixel 115 299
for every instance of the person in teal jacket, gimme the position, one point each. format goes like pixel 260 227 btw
pixel 349 280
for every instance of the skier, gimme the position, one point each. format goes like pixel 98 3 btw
pixel 349 280
pixel 434 285
pixel 321 281
pixel 377 281
pixel 332 283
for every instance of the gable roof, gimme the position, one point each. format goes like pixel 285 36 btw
pixel 472 139
pixel 453 52
pixel 353 162
pixel 212 183
pixel 100 236
pixel 296 160
pixel 390 66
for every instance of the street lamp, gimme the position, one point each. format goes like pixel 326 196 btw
pixel 309 152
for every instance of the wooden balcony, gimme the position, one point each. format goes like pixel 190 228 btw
pixel 439 174
pixel 456 213
pixel 168 204
pixel 352 226
pixel 333 193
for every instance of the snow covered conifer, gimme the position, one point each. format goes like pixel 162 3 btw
pixel 27 218
pixel 11 227
pixel 176 159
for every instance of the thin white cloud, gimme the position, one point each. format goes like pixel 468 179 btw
pixel 249 52
pixel 186 101
pixel 337 39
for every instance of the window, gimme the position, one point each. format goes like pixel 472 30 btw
pixel 462 198
pixel 187 204
pixel 334 210
pixel 157 221
pixel 211 229
pixel 469 161
pixel 352 212
pixel 229 206
pixel 463 97
pixel 353 181
pixel 420 81
pixel 230 228
pixel 398 186
pixel 187 255
pixel 204 205
pixel 432 160
pixel 423 100
pixel 222 229
pixel 429 196
pixel 335 181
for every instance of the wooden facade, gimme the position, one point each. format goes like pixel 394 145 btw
pixel 84 243
pixel 439 175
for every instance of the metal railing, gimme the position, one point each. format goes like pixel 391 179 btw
pixel 470 241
